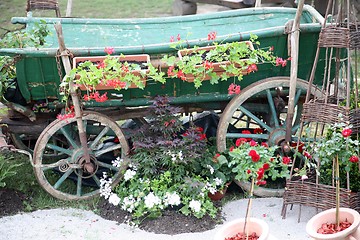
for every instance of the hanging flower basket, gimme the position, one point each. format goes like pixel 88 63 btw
pixel 140 74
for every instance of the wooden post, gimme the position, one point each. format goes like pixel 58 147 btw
pixel 69 8
pixel 294 43
pixel 88 166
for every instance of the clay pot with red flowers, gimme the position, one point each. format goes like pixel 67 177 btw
pixel 255 162
pixel 217 61
pixel 338 147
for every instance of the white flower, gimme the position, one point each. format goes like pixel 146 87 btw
pixel 173 157
pixel 218 181
pixel 304 177
pixel 114 199
pixel 128 204
pixel 180 155
pixel 210 168
pixel 105 186
pixel 151 200
pixel 172 199
pixel 195 205
pixel 117 162
pixel 129 174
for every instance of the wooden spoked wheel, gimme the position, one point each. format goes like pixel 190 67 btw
pixel 69 178
pixel 259 112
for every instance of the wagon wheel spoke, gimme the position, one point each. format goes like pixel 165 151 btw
pixel 97 180
pixel 99 137
pixel 296 100
pixel 255 118
pixel 109 166
pixel 69 135
pixel 59 149
pixel 79 185
pixel 76 177
pixel 272 107
pixel 106 150
pixel 63 178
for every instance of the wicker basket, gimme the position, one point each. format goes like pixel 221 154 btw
pixel 319 196
pixel 355 40
pixel 334 36
pixel 354 120
pixel 325 113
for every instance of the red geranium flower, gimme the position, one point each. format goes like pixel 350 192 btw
pixel 240 141
pixel 280 61
pixel 346 132
pixel 266 166
pixel 286 160
pixel 109 50
pixel 354 159
pixel 233 89
pixel 211 35
pixel 253 143
pixel 263 182
pixel 255 157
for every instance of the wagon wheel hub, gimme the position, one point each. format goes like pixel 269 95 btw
pixel 86 169
pixel 277 136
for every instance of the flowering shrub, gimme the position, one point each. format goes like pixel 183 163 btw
pixel 337 148
pixel 250 160
pixel 337 144
pixel 163 169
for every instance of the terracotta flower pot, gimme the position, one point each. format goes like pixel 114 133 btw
pixel 230 229
pixel 219 194
pixel 140 58
pixel 216 65
pixel 328 216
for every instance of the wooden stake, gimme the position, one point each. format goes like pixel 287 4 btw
pixel 294 43
pixel 69 8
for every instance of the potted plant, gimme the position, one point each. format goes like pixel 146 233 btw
pixel 218 61
pixel 338 146
pixel 110 72
pixel 215 168
pixel 255 162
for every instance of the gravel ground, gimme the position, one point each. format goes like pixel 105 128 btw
pixel 59 224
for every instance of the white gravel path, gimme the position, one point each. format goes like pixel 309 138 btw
pixel 61 224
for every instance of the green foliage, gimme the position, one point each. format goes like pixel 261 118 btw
pixel 7 169
pixel 336 145
pixel 25 181
pixel 326 176
pixel 18 39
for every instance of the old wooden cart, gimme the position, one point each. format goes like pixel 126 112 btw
pixel 58 157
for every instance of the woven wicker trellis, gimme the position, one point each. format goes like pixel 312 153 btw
pixel 354 119
pixel 355 40
pixel 43 5
pixel 325 113
pixel 320 196
pixel 334 36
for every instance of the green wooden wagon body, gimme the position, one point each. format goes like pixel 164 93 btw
pixel 38 76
